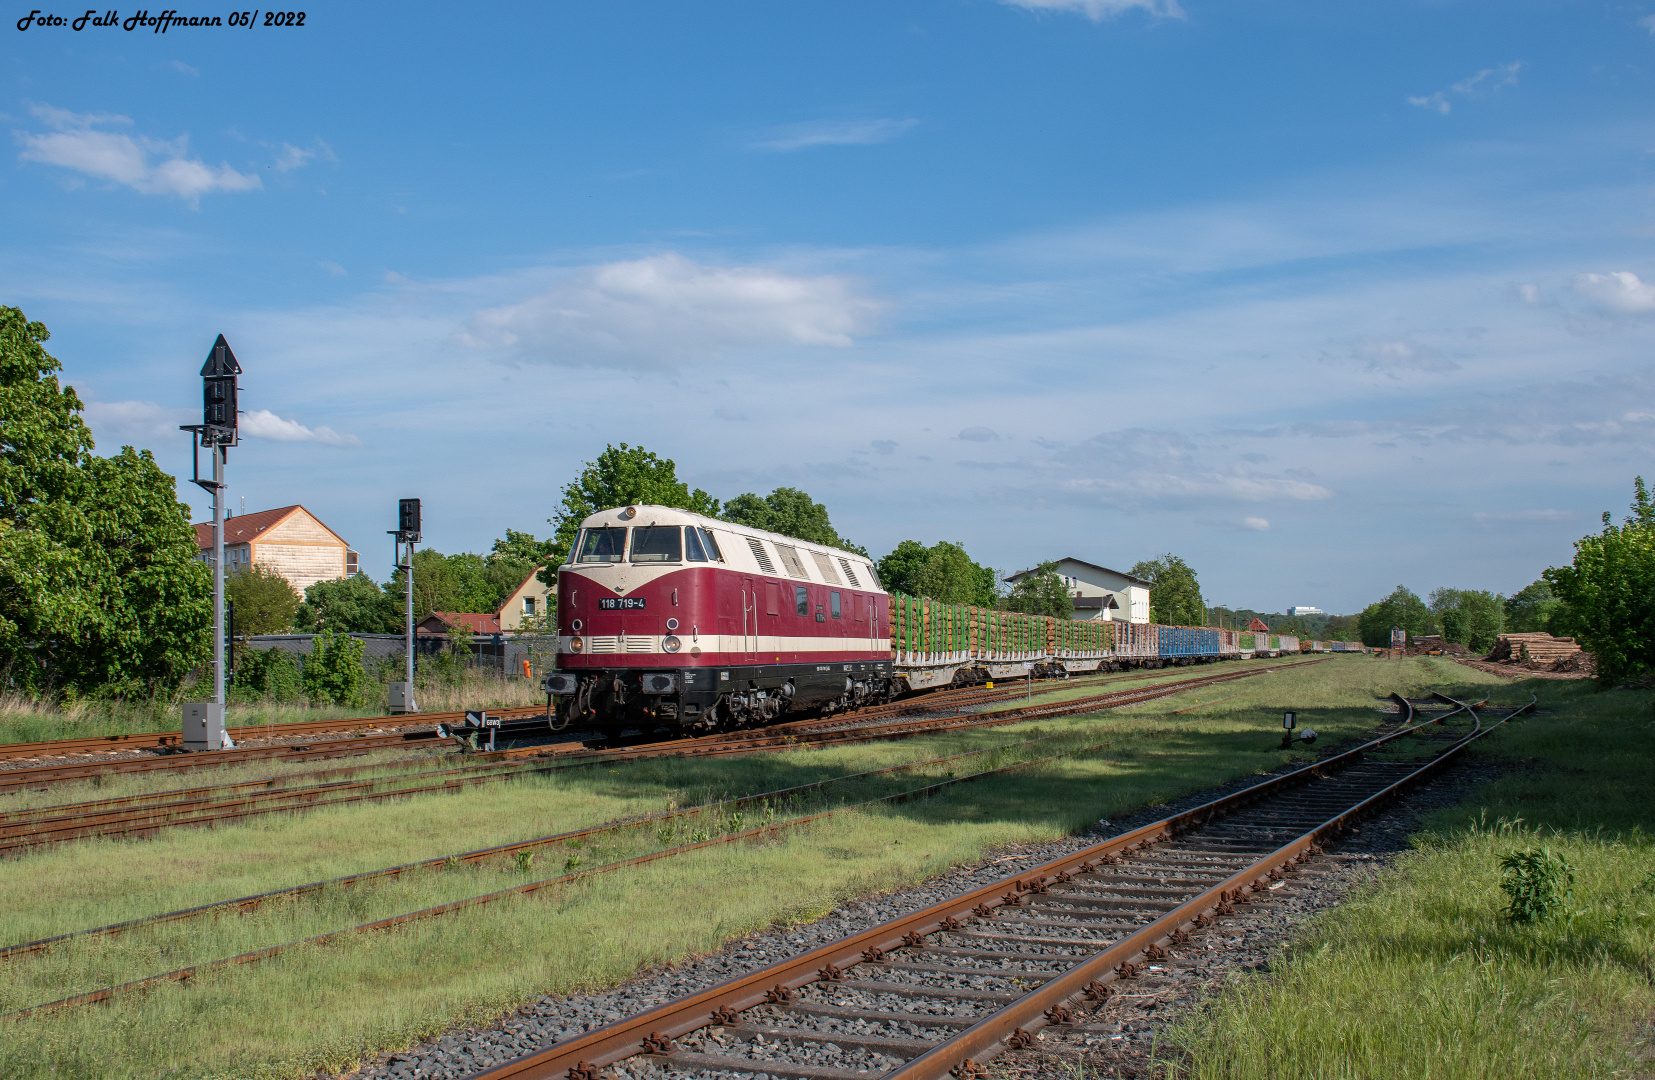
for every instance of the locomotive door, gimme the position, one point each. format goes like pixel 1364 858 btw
pixel 749 620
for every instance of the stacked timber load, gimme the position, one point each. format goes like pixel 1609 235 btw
pixel 1540 648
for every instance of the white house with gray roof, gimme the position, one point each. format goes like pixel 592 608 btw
pixel 1099 592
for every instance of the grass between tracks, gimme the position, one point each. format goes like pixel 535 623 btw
pixel 24 719
pixel 1420 976
pixel 325 1007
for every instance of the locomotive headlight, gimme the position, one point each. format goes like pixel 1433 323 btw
pixel 671 644
pixel 577 645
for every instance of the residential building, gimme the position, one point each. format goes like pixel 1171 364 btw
pixel 1098 592
pixel 291 541
pixel 1306 611
pixel 528 601
pixel 1258 626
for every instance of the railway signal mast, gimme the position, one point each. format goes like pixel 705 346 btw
pixel 217 432
pixel 407 532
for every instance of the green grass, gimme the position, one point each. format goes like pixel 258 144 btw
pixel 325 1006
pixel 1420 976
pixel 24 719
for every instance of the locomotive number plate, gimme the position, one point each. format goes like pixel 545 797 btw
pixel 620 603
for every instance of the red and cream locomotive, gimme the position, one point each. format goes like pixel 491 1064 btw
pixel 668 617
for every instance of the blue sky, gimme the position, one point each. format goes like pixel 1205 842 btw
pixel 1322 297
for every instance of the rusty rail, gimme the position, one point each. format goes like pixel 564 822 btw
pixel 583 1057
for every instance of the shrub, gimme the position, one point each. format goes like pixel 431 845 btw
pixel 266 674
pixel 1537 881
pixel 334 672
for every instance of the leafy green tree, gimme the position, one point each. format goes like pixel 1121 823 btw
pixel 790 512
pixel 899 571
pixel 1402 608
pixel 522 547
pixel 461 582
pixel 1529 609
pixel 265 601
pixel 353 605
pixel 1174 592
pixel 621 476
pixel 1608 592
pixel 951 576
pixel 1041 592
pixel 1472 617
pixel 333 672
pixel 265 673
pixel 1343 628
pixel 101 590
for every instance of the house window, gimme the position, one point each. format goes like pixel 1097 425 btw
pixel 528 605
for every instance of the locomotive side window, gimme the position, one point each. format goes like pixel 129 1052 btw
pixel 693 551
pixel 833 602
pixel 601 545
pixel 801 601
pixel 655 543
pixel 712 545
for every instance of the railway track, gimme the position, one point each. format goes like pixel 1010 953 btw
pixel 938 992
pixel 144 815
pixel 173 740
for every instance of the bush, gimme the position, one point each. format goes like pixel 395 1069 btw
pixel 1609 592
pixel 334 671
pixel 1537 881
pixel 266 674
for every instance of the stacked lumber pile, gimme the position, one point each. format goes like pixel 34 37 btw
pixel 1540 648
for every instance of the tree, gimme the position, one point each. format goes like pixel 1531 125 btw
pixel 1402 608
pixel 101 589
pixel 1472 617
pixel 1041 592
pixel 265 601
pixel 951 576
pixel 899 571
pixel 522 547
pixel 1343 628
pixel 790 512
pixel 1530 608
pixel 461 582
pixel 353 605
pixel 333 672
pixel 1174 592
pixel 621 476
pixel 1608 592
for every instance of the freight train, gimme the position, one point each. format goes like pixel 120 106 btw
pixel 677 619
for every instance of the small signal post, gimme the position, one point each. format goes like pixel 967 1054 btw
pixel 217 432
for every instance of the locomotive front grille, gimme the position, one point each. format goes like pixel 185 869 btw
pixel 603 644
pixel 639 643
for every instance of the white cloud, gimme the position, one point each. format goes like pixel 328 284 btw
pixel 1486 82
pixel 333 268
pixel 835 133
pixel 666 307
pixel 264 424
pixel 1259 524
pixel 292 157
pixel 1098 10
pixel 76 143
pixel 183 68
pixel 1648 23
pixel 1392 356
pixel 134 422
pixel 979 434
pixel 1519 516
pixel 1530 295
pixel 1618 293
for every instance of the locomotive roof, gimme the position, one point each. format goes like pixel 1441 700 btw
pixel 649 514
